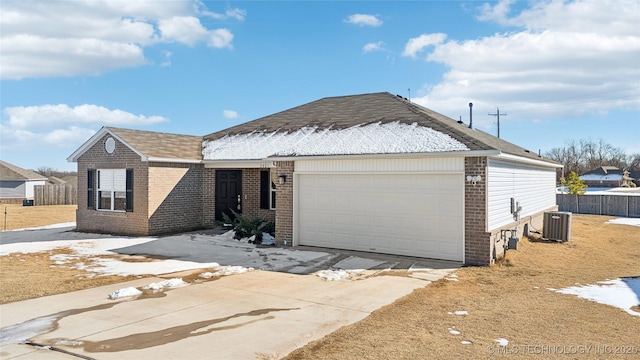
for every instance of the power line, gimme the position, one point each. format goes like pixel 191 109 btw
pixel 498 115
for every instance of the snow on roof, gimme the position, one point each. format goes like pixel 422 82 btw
pixel 376 138
pixel 597 177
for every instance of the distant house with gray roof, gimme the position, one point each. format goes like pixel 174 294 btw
pixel 16 183
pixel 372 172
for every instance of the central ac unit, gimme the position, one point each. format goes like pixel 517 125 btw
pixel 556 226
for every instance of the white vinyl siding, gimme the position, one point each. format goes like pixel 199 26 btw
pixel 12 189
pixel 532 186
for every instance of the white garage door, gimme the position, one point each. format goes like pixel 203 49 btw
pixel 403 214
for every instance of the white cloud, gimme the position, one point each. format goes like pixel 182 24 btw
pixel 415 45
pixel 67 38
pixel 236 13
pixel 230 114
pixel 568 59
pixel 370 47
pixel 363 20
pixel 24 117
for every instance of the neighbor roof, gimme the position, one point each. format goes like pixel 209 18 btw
pixel 344 112
pixel 12 172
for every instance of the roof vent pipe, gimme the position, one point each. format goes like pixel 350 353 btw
pixel 470 115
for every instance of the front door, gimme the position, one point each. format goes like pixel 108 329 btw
pixel 228 192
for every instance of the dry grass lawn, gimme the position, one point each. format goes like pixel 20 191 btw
pixel 510 300
pixel 20 217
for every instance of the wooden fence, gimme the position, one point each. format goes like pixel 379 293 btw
pixel 63 194
pixel 614 205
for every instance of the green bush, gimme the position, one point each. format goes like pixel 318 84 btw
pixel 246 227
pixel 574 185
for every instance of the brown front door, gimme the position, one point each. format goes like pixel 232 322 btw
pixel 228 192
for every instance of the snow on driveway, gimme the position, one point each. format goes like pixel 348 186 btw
pixel 110 255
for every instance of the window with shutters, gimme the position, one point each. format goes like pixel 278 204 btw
pixel 114 190
pixel 267 190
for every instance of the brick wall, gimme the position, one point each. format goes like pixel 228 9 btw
pixel 284 204
pixel 175 195
pixel 251 196
pixel 128 223
pixel 209 197
pixel 477 242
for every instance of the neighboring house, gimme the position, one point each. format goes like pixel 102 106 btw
pixel 16 184
pixel 606 177
pixel 53 180
pixel 370 172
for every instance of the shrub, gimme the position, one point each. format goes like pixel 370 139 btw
pixel 247 227
pixel 574 185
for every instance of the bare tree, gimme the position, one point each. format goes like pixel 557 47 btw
pixel 586 154
pixel 633 161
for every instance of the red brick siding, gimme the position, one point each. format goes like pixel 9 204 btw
pixel 284 203
pixel 477 246
pixel 251 196
pixel 181 209
pixel 129 223
pixel 209 197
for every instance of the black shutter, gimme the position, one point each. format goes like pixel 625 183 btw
pixel 90 186
pixel 265 189
pixel 129 190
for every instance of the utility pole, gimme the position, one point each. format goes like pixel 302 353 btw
pixel 498 115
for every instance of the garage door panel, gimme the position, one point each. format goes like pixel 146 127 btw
pixel 405 214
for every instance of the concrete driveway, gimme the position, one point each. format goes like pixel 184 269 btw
pixel 254 315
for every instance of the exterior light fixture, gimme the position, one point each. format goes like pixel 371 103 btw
pixel 282 179
pixel 474 179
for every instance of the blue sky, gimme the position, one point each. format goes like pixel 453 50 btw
pixel 560 70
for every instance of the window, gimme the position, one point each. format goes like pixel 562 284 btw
pixel 267 190
pixel 115 190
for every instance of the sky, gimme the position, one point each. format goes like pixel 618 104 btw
pixel 556 70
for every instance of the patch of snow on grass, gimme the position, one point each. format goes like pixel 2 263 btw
pixel 459 312
pixel 166 284
pixel 625 221
pixel 621 293
pixel 502 341
pixel 332 275
pixel 124 293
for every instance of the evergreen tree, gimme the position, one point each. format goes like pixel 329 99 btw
pixel 574 185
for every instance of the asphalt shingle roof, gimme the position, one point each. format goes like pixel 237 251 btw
pixel 347 111
pixel 162 145
pixel 12 172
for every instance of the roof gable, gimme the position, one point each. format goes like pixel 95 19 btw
pixel 13 172
pixel 151 146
